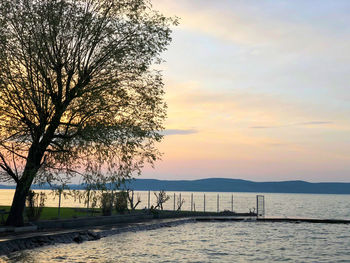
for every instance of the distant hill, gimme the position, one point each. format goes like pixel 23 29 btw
pixel 237 185
pixel 228 185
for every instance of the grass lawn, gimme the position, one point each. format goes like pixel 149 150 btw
pixel 66 212
pixel 50 213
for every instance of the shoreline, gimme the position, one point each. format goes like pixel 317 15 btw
pixel 78 230
pixel 15 242
pixel 82 235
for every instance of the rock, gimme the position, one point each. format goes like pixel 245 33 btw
pixel 78 239
pixel 5 249
pixel 93 235
pixel 12 246
pixel 21 245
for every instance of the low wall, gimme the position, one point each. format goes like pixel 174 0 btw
pixel 91 221
pixel 125 218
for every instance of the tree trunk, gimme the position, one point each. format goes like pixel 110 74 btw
pixel 16 217
pixel 35 155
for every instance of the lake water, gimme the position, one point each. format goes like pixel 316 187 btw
pixel 276 205
pixel 207 242
pixel 222 241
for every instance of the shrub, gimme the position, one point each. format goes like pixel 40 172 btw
pixel 107 200
pixel 35 203
pixel 121 201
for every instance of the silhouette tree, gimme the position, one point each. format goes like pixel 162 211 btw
pixel 77 91
pixel 162 197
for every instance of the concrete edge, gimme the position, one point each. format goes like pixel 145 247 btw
pixel 79 236
pixel 82 235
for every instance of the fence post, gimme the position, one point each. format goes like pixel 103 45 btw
pixel 59 203
pixel 217 205
pixel 149 197
pixel 88 202
pixel 260 206
pixel 191 202
pixel 174 201
pixel 204 204
pixel 132 198
pixel 180 202
pixel 232 203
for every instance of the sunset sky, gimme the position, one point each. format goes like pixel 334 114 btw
pixel 257 90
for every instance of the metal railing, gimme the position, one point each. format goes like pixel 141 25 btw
pixel 206 202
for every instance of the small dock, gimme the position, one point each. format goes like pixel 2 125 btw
pixel 272 219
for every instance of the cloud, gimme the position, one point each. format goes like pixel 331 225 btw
pixel 291 25
pixel 179 131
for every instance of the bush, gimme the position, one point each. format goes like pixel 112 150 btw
pixel 107 200
pixel 121 201
pixel 34 205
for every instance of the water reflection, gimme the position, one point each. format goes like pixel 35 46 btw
pixel 24 256
pixel 208 242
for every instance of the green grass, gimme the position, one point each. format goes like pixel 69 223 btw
pixel 51 213
pixel 65 212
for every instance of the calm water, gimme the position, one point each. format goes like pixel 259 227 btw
pixel 277 205
pixel 218 242
pixel 208 242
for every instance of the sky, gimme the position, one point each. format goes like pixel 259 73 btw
pixel 257 90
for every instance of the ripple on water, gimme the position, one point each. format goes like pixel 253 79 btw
pixel 207 242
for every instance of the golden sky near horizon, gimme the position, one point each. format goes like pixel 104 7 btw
pixel 257 90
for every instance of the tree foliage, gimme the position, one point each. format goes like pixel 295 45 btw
pixel 77 89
